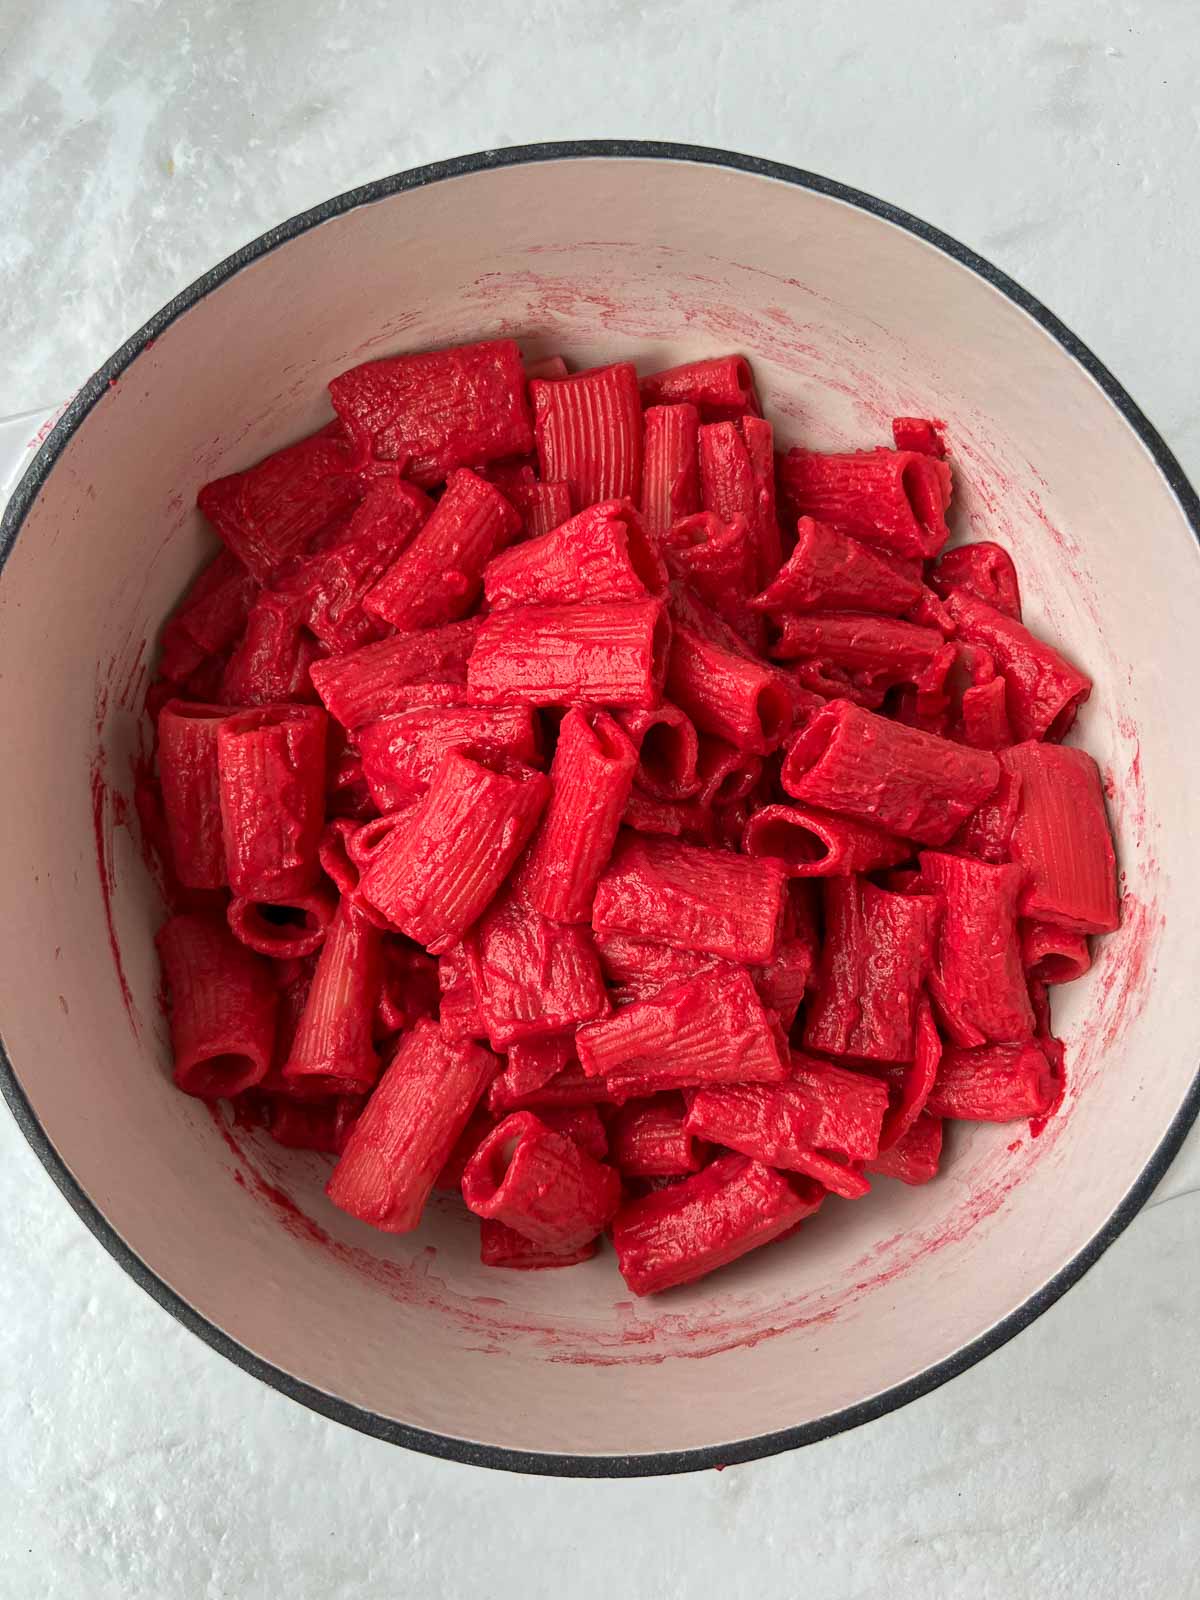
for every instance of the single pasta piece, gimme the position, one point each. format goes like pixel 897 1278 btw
pixel 533 1062
pixel 581 1123
pixel 697 899
pixel 441 409
pixel 1060 836
pixel 997 1083
pixel 286 931
pixel 681 1233
pixel 850 761
pixel 712 1028
pixel 721 387
pixel 812 844
pixel 987 832
pixel 271 767
pixel 410 1124
pixel 1044 690
pixel 983 570
pixel 829 571
pixel 501 1246
pixel 437 577
pixel 977 978
pixel 915 1157
pixel 1052 954
pixel 532 976
pixel 649 1139
pixel 783 982
pixel 884 649
pixel 719 563
pixel 191 791
pixel 333 1050
pixel 670 468
pixel 589 433
pixel 541 506
pixel 604 652
pixel 895 499
pixel 668 750
pixel 401 752
pixel 604 553
pixel 728 693
pixel 759 438
pixel 436 874
pixel 222 1007
pixel 540 1184
pixel 458 1011
pixel 569 1088
pixel 590 780
pixel 270 511
pixel 874 959
pixel 548 367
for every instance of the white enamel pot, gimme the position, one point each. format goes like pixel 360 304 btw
pixel 851 312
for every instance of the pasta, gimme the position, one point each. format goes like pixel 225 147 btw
pixel 554 817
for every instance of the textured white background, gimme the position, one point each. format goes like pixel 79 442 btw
pixel 141 142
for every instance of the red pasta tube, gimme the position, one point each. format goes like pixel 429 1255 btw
pixel 442 409
pixel 726 774
pixel 1060 836
pixel 501 1246
pixel 919 434
pixel 1052 954
pixel 726 479
pixel 719 563
pixel 697 899
pixel 222 1008
pixel 678 1234
pixel 274 657
pixel 850 761
pixel 712 1028
pixel 533 1062
pixel 285 931
pixel 437 577
pixel 333 1051
pixel 532 976
pixel 191 791
pixel 882 649
pixel 983 570
pixel 458 1012
pixel 581 1123
pixel 829 571
pixel 410 1125
pixel 672 819
pixel 811 844
pixel 433 877
pixel 602 554
pixel 411 669
pixel 548 367
pixel 590 780
pixel 875 956
pixel 987 832
pixel 998 1083
pixel 540 1184
pixel 271 510
pixel 670 467
pixel 605 652
pixel 271 767
pixel 728 694
pixel 401 753
pixel 720 387
pixel 915 1157
pixel 589 433
pixel 977 979
pixel 542 506
pixel 298 1126
pixel 759 438
pixel 1044 690
pixel 782 983
pixel 667 748
pixel 896 499
pixel 648 1139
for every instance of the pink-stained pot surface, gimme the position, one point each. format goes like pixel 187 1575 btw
pixel 849 319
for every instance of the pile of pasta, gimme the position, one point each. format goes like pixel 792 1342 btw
pixel 572 803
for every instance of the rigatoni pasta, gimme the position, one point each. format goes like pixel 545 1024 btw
pixel 555 817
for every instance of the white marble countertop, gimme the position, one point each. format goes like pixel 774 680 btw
pixel 144 141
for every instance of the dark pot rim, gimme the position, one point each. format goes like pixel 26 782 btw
pixel 370 1422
